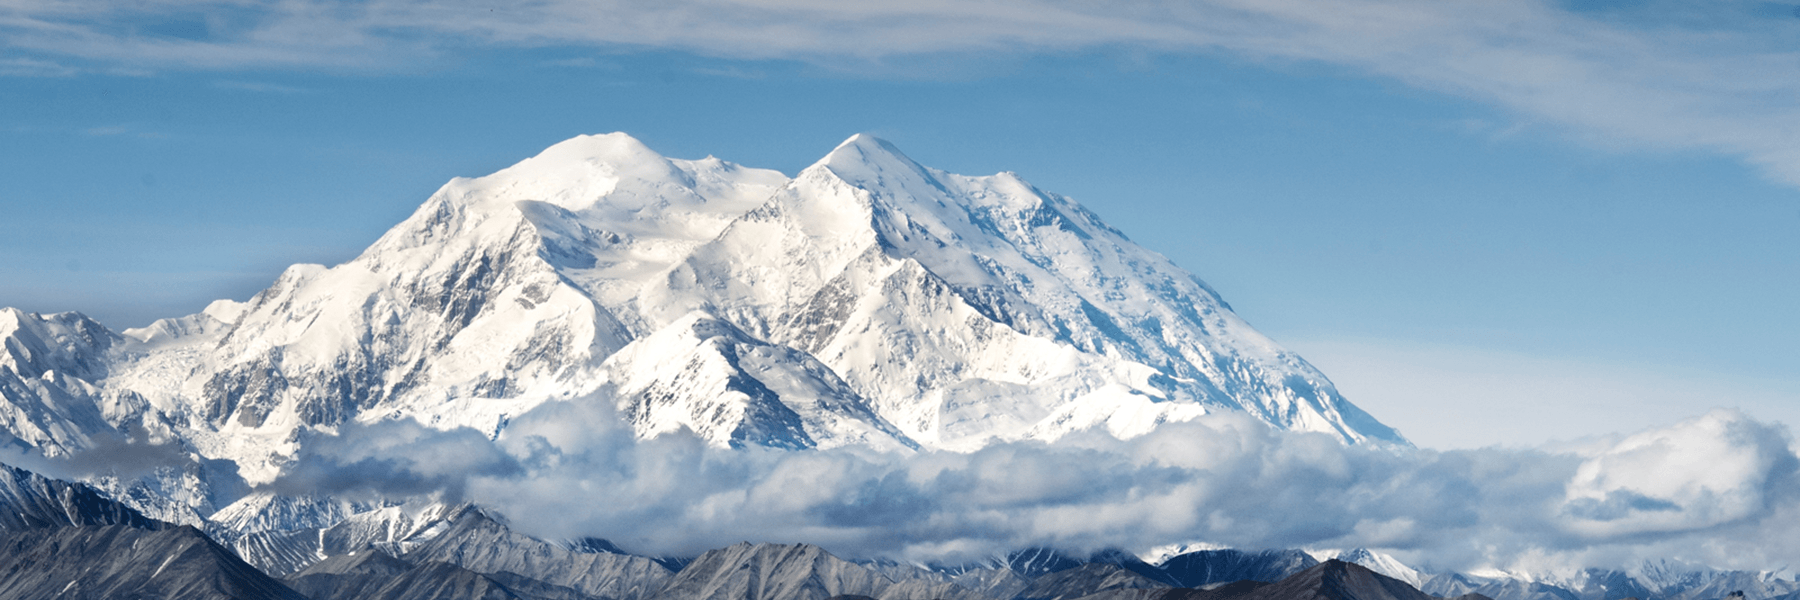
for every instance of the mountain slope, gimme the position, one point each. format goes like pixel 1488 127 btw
pixel 969 309
pixel 709 376
pixel 472 540
pixel 1337 580
pixel 30 501
pixel 1208 567
pixel 768 572
pixel 1085 580
pixel 118 561
pixel 48 368
pixel 373 575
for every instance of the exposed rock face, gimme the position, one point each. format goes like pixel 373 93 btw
pixel 1331 580
pixel 357 574
pixel 1454 584
pixel 371 574
pixel 282 535
pixel 1336 580
pixel 769 572
pixel 1208 567
pixel 120 561
pixel 1651 581
pixel 30 501
pixel 472 540
pixel 1085 580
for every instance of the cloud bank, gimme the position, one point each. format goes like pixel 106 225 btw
pixel 1717 77
pixel 1719 489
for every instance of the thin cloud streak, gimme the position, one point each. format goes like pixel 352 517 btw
pixel 1654 76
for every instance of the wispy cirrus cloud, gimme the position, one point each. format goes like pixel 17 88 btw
pixel 30 67
pixel 1722 77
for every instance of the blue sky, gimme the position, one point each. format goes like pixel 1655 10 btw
pixel 1551 219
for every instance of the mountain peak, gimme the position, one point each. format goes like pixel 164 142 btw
pixel 616 147
pixel 865 160
pixel 580 171
pixel 866 142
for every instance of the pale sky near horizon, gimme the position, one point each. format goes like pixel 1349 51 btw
pixel 1488 222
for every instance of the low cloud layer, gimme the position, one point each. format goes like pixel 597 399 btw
pixel 126 456
pixel 1718 77
pixel 1719 489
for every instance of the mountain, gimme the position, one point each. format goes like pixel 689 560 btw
pixel 32 501
pixel 291 537
pixel 371 574
pixel 970 309
pixel 1207 567
pixel 1330 580
pixel 1336 580
pixel 120 561
pixel 357 574
pixel 1086 580
pixel 48 369
pixel 471 539
pixel 1377 562
pixel 281 535
pixel 1653 581
pixel 69 540
pixel 770 572
pixel 869 301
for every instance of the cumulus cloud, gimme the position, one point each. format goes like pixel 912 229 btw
pixel 1717 489
pixel 1702 472
pixel 1718 77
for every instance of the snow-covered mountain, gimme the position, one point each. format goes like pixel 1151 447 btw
pixel 868 301
pixel 1378 562
pixel 48 366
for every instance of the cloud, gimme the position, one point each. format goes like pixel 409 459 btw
pixel 126 455
pixel 393 459
pixel 1718 489
pixel 1701 472
pixel 1720 77
pixel 27 67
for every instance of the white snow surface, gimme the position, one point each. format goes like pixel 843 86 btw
pixel 868 301
pixel 48 368
pixel 1379 562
